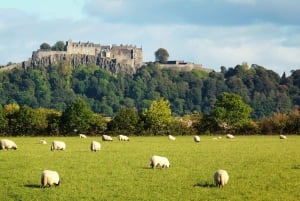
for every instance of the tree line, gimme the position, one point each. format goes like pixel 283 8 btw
pixel 229 115
pixel 188 92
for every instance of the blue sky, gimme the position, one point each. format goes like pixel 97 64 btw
pixel 214 33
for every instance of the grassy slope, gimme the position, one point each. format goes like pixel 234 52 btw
pixel 260 168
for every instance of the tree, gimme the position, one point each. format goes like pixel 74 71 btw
pixel 45 46
pixel 158 117
pixel 230 112
pixel 76 117
pixel 58 46
pixel 125 121
pixel 161 55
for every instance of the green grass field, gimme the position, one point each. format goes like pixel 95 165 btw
pixel 259 167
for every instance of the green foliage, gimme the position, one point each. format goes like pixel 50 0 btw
pixel 58 46
pixel 76 118
pixel 230 112
pixel 45 46
pixel 161 55
pixel 158 117
pixel 188 92
pixel 126 121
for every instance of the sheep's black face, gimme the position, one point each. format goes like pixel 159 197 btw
pixel 57 183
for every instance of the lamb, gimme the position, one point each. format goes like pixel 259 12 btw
pixel 8 144
pixel 282 137
pixel 58 145
pixel 49 178
pixel 159 161
pixel 95 146
pixel 221 178
pixel 123 138
pixel 229 136
pixel 106 138
pixel 43 142
pixel 197 138
pixel 171 137
pixel 82 136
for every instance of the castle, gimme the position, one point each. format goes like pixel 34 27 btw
pixel 113 58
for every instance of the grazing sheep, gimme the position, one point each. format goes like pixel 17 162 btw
pixel 123 138
pixel 95 146
pixel 8 144
pixel 229 136
pixel 49 178
pixel 43 142
pixel 197 138
pixel 106 138
pixel 58 145
pixel 82 136
pixel 282 137
pixel 221 178
pixel 171 137
pixel 159 161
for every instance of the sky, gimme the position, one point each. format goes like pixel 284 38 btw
pixel 213 33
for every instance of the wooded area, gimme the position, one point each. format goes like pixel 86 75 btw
pixel 273 100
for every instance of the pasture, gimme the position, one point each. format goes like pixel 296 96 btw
pixel 259 167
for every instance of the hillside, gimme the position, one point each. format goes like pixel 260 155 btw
pixel 187 91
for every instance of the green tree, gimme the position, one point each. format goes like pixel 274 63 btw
pixel 3 121
pixel 161 55
pixel 45 46
pixel 126 120
pixel 98 124
pixel 158 117
pixel 230 112
pixel 58 46
pixel 76 117
pixel 26 121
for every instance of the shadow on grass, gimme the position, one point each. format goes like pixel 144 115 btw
pixel 296 167
pixel 205 185
pixel 32 185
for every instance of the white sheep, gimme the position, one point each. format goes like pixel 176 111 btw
pixel 106 138
pixel 8 144
pixel 221 178
pixel 49 178
pixel 159 161
pixel 43 142
pixel 282 137
pixel 171 137
pixel 58 145
pixel 229 136
pixel 95 146
pixel 197 138
pixel 123 138
pixel 82 136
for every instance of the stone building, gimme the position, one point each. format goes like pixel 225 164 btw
pixel 114 58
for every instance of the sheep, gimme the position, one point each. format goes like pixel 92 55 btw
pixel 197 138
pixel 221 178
pixel 123 138
pixel 171 137
pixel 43 142
pixel 159 161
pixel 8 144
pixel 49 178
pixel 82 136
pixel 282 137
pixel 229 136
pixel 58 145
pixel 106 138
pixel 95 146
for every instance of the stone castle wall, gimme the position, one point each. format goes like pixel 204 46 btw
pixel 126 56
